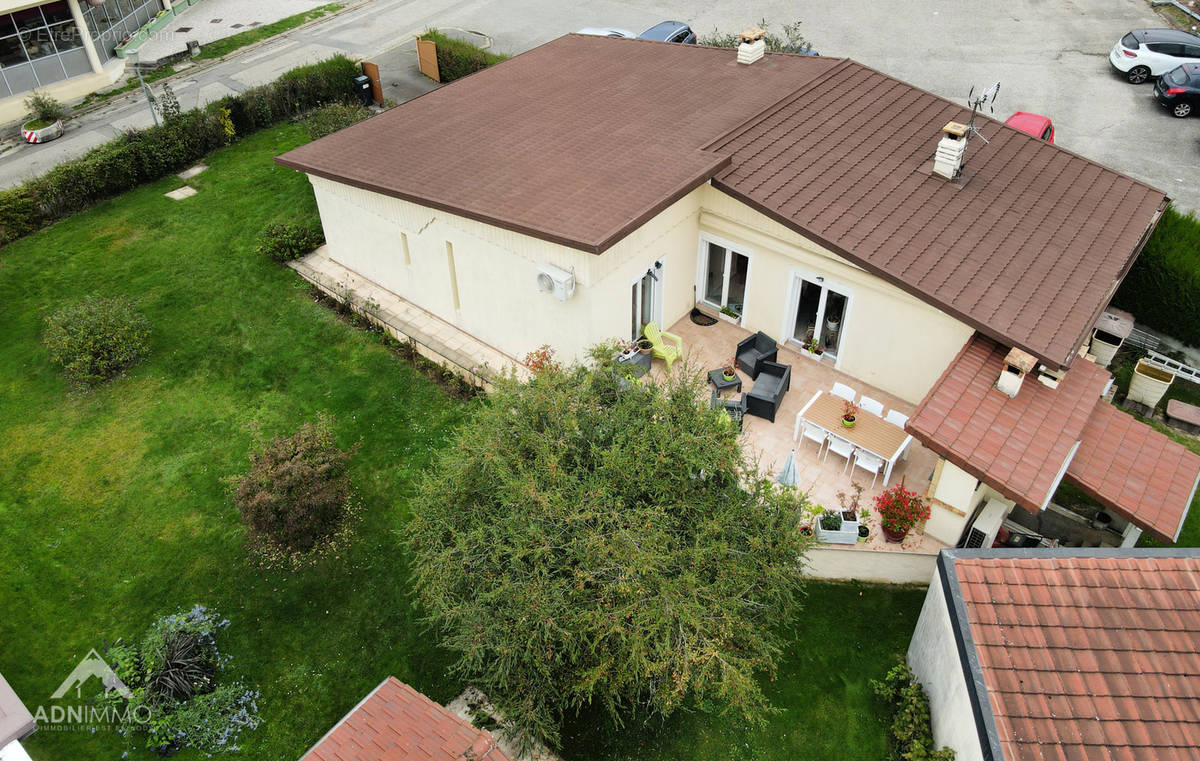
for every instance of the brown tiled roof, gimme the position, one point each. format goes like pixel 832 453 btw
pixel 15 720
pixel 397 723
pixel 583 139
pixel 1081 654
pixel 578 141
pixel 1017 445
pixel 1135 471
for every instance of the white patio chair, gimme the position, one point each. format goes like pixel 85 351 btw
pixel 867 404
pixel 814 433
pixel 869 463
pixel 844 391
pixel 839 446
pixel 896 418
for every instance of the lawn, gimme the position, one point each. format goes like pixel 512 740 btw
pixel 218 48
pixel 113 508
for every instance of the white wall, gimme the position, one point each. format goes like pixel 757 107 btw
pixel 952 500
pixel 835 564
pixel 933 657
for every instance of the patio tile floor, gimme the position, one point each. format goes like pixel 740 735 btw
pixel 709 347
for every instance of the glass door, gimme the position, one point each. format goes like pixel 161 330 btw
pixel 725 272
pixel 646 301
pixel 820 314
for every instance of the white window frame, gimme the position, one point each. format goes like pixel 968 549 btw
pixel 798 275
pixel 656 295
pixel 702 271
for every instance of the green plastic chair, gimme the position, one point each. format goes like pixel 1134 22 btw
pixel 662 349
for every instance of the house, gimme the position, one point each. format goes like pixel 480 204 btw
pixel 1062 654
pixel 592 185
pixel 65 48
pixel 397 723
pixel 16 723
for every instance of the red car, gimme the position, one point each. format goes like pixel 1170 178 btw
pixel 1032 124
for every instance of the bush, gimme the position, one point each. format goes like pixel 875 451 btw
pixel 457 59
pixel 588 539
pixel 329 119
pixel 296 498
pixel 175 698
pixel 912 728
pixel 149 154
pixel 789 41
pixel 287 241
pixel 96 339
pixel 45 109
pixel 1162 289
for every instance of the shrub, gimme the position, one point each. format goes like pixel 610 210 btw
pixel 900 509
pixel 44 109
pixel 457 59
pixel 329 119
pixel 789 41
pixel 588 540
pixel 175 697
pixel 911 728
pixel 294 93
pixel 286 241
pixel 1162 289
pixel 296 498
pixel 541 359
pixel 96 339
pixel 831 521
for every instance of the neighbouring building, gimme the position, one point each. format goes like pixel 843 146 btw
pixel 64 48
pixel 593 185
pixel 16 723
pixel 397 723
pixel 1064 654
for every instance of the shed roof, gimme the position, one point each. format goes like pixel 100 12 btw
pixel 1079 654
pixel 397 723
pixel 582 140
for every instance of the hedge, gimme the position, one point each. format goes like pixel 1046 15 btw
pixel 149 154
pixel 457 59
pixel 1162 289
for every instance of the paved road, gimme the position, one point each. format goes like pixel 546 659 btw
pixel 1050 57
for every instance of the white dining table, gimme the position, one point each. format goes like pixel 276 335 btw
pixel 871 433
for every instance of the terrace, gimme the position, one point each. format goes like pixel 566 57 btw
pixel 821 476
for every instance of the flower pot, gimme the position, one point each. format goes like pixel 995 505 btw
pixel 864 533
pixel 644 345
pixel 894 537
pixel 806 531
pixel 848 421
pixel 41 134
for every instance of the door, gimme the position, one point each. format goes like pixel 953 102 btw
pixel 820 315
pixel 724 273
pixel 646 300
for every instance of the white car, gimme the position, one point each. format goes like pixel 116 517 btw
pixel 607 31
pixel 1146 53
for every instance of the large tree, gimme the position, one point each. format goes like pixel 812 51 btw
pixel 588 538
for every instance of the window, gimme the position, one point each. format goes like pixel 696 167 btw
pixel 725 274
pixel 1177 76
pixel 1130 41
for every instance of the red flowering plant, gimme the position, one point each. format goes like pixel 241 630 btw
pixel 900 509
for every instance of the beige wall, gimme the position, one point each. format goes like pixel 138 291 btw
pixel 952 500
pixel 835 564
pixel 933 657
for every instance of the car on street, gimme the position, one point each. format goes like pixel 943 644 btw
pixel 670 31
pixel 1179 90
pixel 606 31
pixel 1146 53
pixel 1032 124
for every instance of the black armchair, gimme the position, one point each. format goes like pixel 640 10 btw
pixel 755 350
pixel 772 383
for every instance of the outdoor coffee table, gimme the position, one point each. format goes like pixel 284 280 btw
pixel 717 378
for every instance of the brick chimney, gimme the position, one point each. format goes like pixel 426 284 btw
pixel 753 46
pixel 1017 364
pixel 951 151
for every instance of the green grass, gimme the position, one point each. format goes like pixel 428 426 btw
pixel 162 72
pixel 112 506
pixel 219 48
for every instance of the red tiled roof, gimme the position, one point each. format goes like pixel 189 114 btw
pixel 582 140
pixel 397 723
pixel 1091 656
pixel 1017 445
pixel 1135 471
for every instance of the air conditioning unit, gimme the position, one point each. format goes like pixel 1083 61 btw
pixel 551 279
pixel 983 531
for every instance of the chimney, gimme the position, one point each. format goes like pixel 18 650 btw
pixel 951 150
pixel 752 46
pixel 1017 365
pixel 1050 378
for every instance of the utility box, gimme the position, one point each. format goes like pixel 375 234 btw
pixel 362 88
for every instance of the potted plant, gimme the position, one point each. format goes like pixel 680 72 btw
pixel 849 413
pixel 900 510
pixel 45 118
pixel 644 346
pixel 728 312
pixel 832 529
pixel 812 347
pixel 729 370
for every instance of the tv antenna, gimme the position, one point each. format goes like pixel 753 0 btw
pixel 977 102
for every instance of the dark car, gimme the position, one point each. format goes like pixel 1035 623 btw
pixel 1179 89
pixel 670 31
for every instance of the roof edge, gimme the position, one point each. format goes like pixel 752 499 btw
pixel 968 658
pixel 348 714
pixel 1002 553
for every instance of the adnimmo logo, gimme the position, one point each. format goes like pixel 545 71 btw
pixel 91 714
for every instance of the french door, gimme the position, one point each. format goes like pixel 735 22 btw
pixel 820 315
pixel 646 300
pixel 724 272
